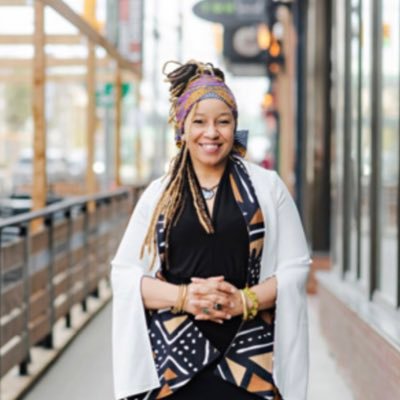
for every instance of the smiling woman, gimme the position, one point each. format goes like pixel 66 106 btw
pixel 198 314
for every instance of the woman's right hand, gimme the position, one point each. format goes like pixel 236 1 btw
pixel 204 294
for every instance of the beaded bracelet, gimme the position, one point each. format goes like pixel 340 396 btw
pixel 252 296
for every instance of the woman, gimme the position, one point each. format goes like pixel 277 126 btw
pixel 216 306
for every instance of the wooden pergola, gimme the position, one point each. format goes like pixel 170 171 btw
pixel 124 71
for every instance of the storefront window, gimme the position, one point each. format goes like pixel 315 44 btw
pixel 365 143
pixel 389 173
pixel 337 156
pixel 353 204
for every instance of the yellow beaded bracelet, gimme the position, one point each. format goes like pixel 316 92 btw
pixel 252 296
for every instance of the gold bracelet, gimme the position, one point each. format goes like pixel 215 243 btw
pixel 177 308
pixel 183 298
pixel 244 304
pixel 252 296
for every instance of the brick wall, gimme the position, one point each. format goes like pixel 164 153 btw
pixel 371 365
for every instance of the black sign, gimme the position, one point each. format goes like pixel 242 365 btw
pixel 241 44
pixel 231 12
pixel 248 70
pixel 241 51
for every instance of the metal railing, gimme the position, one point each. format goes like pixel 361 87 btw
pixel 43 274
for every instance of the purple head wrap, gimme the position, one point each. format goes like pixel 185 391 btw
pixel 204 87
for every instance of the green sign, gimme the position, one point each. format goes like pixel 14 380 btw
pixel 217 8
pixel 231 12
pixel 105 97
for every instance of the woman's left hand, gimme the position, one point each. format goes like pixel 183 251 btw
pixel 215 293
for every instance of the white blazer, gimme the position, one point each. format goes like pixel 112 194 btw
pixel 285 255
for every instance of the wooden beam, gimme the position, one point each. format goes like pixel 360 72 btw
pixel 16 63
pixel 138 139
pixel 52 62
pixel 85 29
pixel 90 120
pixel 70 78
pixel 39 120
pixel 10 3
pixel 286 107
pixel 118 97
pixel 50 39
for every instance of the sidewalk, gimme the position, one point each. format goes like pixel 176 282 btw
pixel 84 370
pixel 326 382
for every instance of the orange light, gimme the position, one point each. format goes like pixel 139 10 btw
pixel 275 49
pixel 267 100
pixel 386 31
pixel 263 37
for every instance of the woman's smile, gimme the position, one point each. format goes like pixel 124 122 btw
pixel 211 148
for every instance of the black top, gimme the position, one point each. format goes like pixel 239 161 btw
pixel 194 253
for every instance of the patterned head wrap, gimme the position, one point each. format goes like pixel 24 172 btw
pixel 204 87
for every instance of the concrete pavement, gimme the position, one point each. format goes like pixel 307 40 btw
pixel 84 370
pixel 326 382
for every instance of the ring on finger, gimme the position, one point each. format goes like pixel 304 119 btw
pixel 217 306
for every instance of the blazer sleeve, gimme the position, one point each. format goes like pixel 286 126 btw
pixel 130 342
pixel 291 352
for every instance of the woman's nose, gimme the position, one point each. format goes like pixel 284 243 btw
pixel 211 131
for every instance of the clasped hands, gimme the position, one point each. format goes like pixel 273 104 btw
pixel 212 299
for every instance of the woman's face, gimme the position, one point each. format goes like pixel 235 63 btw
pixel 209 133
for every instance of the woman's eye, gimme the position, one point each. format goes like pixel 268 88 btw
pixel 224 121
pixel 197 121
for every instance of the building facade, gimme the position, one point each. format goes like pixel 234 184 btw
pixel 352 74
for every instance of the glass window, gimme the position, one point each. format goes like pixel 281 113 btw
pixel 337 157
pixel 365 142
pixel 389 173
pixel 353 173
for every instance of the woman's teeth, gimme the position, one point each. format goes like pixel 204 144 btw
pixel 210 147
